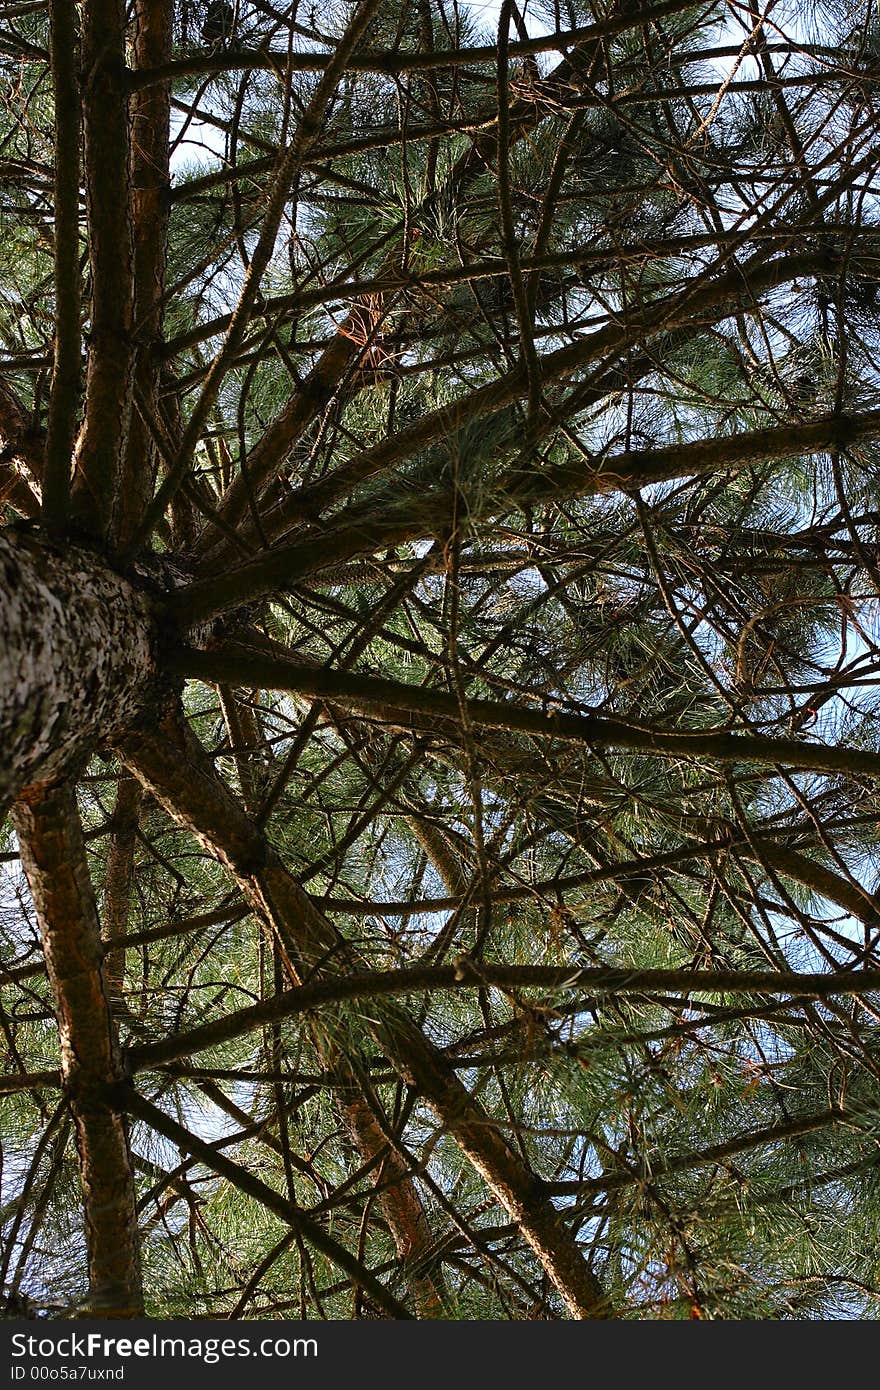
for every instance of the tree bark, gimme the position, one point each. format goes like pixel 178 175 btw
pixel 101 443
pixel 77 657
pixel 116 901
pixel 150 206
pixel 53 854
pixel 408 706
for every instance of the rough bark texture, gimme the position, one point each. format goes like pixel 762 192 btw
pixel 77 657
pixel 53 854
pixel 117 880
pixel 150 205
pixel 101 443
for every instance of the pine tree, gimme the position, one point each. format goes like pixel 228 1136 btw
pixel 437 660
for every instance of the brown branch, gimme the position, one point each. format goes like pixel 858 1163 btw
pixel 400 1200
pixel 393 277
pixel 29 1081
pixel 646 1173
pixel 64 396
pixel 396 701
pixel 116 900
pixel 393 61
pixel 53 853
pixel 102 438
pixel 360 531
pixel 286 563
pixel 330 371
pixel 150 208
pixel 509 239
pixel 467 974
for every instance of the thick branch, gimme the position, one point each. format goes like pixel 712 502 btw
pixel 116 900
pixel 466 974
pixel 150 206
pixel 395 701
pixel 392 61
pixel 699 1158
pixel 65 378
pixel 53 853
pixel 100 446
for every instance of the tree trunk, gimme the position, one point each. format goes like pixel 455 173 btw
pixel 77 657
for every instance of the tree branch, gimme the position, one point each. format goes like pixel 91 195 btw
pixel 53 853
